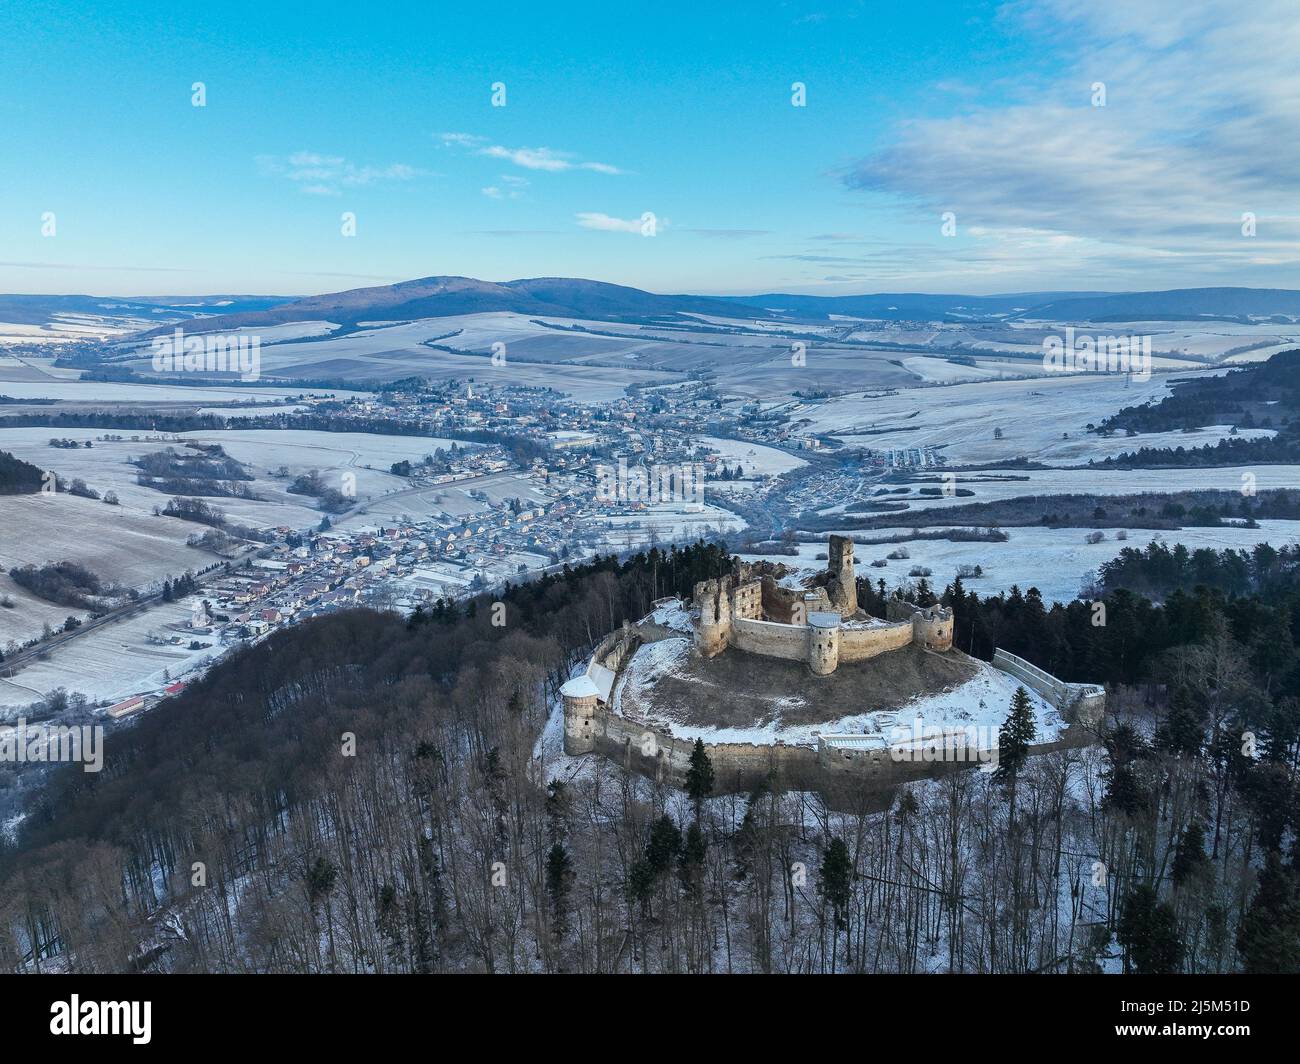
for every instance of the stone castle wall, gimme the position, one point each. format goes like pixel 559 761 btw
pixel 858 779
pixel 845 779
pixel 1076 702
pixel 770 639
pixel 859 644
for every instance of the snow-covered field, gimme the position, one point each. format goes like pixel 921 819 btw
pixel 995 485
pixel 663 524
pixel 754 458
pixel 1057 561
pixel 107 392
pixel 121 545
pixel 106 466
pixel 113 662
pixel 1034 417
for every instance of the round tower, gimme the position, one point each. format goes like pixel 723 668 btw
pixel 580 697
pixel 823 643
pixel 713 630
pixel 932 627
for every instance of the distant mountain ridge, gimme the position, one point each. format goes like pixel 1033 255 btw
pixel 439 297
pixel 1177 304
pixel 39 309
pixel 906 306
pixel 572 297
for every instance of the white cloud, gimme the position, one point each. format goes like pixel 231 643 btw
pixel 549 160
pixel 609 224
pixel 328 175
pixel 509 187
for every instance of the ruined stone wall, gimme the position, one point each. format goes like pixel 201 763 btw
pixel 737 767
pixel 933 627
pixel 1079 703
pixel 1089 708
pixel 878 767
pixel 787 605
pixel 747 601
pixel 860 782
pixel 859 644
pixel 771 639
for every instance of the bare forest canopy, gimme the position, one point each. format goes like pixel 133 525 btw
pixel 315 862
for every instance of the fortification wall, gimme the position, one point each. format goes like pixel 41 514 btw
pixel 859 644
pixel 847 780
pixel 1089 708
pixel 1032 676
pixel 771 639
pixel 1078 703
pixel 878 766
pixel 614 650
pixel 737 767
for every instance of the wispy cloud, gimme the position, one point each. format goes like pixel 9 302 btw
pixel 508 187
pixel 607 224
pixel 1202 104
pixel 549 160
pixel 328 175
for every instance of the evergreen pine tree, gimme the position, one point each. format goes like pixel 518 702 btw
pixel 692 859
pixel 559 876
pixel 699 777
pixel 1014 739
pixel 837 879
pixel 1269 935
pixel 1190 858
pixel 1148 931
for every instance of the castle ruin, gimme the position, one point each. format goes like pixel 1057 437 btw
pixel 822 627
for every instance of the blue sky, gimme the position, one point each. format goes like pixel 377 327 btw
pixel 614 110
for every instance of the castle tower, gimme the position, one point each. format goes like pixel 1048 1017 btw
pixel 713 631
pixel 932 627
pixel 579 696
pixel 843 585
pixel 823 643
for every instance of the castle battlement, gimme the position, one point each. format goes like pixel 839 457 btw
pixel 821 626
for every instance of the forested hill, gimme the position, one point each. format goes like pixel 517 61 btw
pixel 1261 396
pixel 337 797
pixel 18 477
